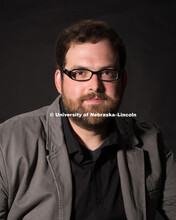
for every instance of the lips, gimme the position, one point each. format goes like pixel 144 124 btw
pixel 94 96
pixel 95 100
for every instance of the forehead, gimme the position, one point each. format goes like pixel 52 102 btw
pixel 92 55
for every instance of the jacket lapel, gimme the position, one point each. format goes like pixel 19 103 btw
pixel 58 161
pixel 132 173
pixel 131 170
pixel 60 167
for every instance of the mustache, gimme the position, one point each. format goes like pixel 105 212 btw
pixel 94 95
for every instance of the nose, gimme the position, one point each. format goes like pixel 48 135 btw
pixel 95 84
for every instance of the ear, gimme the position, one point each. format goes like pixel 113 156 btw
pixel 58 80
pixel 124 78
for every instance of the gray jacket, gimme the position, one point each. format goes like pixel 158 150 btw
pixel 35 175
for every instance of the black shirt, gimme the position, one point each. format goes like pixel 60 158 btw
pixel 95 177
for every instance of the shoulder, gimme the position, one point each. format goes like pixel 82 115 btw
pixel 146 130
pixel 138 131
pixel 22 120
pixel 15 129
pixel 137 125
pixel 143 126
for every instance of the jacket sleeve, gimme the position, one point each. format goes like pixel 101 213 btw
pixel 3 189
pixel 168 197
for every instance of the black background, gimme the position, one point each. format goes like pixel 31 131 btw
pixel 29 28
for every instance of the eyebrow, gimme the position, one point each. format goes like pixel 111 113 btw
pixel 83 67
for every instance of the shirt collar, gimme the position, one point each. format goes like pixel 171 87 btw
pixel 110 140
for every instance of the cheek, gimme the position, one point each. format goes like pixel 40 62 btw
pixel 72 89
pixel 114 90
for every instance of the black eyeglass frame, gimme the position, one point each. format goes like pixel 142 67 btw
pixel 69 74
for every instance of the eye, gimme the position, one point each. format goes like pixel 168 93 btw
pixel 81 74
pixel 107 72
pixel 77 73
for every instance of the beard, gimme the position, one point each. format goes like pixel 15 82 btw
pixel 109 105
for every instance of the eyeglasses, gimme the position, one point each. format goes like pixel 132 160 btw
pixel 108 75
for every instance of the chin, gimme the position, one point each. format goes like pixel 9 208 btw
pixel 91 123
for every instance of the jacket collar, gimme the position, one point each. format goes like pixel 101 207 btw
pixel 55 137
pixel 127 133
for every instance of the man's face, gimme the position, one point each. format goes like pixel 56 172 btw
pixel 93 96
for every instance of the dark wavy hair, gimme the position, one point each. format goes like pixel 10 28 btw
pixel 91 31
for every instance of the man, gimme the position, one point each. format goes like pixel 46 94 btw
pixel 85 166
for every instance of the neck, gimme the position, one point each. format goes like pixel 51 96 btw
pixel 90 139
